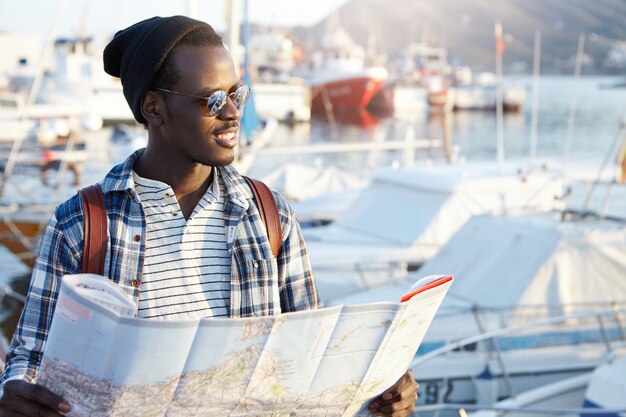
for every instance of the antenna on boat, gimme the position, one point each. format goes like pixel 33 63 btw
pixel 535 104
pixel 574 102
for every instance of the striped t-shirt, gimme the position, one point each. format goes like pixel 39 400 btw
pixel 186 271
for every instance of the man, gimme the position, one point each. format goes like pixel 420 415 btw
pixel 185 237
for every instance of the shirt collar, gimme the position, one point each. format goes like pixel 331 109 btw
pixel 120 178
pixel 237 189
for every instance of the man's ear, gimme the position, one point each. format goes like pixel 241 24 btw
pixel 153 108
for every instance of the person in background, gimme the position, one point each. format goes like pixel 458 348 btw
pixel 185 237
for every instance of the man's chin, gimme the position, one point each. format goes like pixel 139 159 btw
pixel 219 162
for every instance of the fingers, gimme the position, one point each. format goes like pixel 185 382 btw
pixel 399 400
pixel 25 398
pixel 406 382
pixel 404 402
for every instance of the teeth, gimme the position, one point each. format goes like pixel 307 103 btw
pixel 226 136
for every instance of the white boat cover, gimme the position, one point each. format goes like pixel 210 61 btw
pixel 424 206
pixel 298 182
pixel 406 215
pixel 505 261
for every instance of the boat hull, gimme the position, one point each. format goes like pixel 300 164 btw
pixel 350 93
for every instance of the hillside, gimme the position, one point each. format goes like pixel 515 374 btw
pixel 465 28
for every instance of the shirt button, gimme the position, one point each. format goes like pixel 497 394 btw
pixel 137 238
pixel 134 283
pixel 174 213
pixel 256 264
pixel 167 195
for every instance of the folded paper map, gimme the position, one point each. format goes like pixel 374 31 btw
pixel 324 362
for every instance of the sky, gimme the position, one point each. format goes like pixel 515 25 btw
pixel 102 18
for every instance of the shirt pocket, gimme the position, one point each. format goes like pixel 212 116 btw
pixel 261 286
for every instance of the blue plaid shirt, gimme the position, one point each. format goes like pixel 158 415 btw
pixel 260 283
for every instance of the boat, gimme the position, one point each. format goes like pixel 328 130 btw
pixel 273 56
pixel 538 298
pixel 598 392
pixel 76 80
pixel 595 393
pixel 29 195
pixel 39 122
pixel 288 101
pixel 347 91
pixel 607 386
pixel 404 216
pixel 339 78
pixel 481 94
pixel 298 182
pixel 422 82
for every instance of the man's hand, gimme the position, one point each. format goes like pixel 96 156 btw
pixel 399 400
pixel 23 398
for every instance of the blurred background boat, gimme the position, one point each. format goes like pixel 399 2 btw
pixel 340 77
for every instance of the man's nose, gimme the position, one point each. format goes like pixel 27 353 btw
pixel 230 111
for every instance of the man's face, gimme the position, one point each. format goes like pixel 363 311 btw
pixel 189 130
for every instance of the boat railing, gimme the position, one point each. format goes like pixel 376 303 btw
pixel 588 328
pixel 462 409
pixel 613 350
pixel 491 337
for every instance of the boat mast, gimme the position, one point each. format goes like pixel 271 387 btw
pixel 574 102
pixel 234 22
pixel 499 94
pixel 535 104
pixel 192 9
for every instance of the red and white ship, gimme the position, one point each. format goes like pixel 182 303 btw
pixel 339 79
pixel 347 91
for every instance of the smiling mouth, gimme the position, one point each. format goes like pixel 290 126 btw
pixel 228 139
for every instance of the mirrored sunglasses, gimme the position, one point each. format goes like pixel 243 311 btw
pixel 217 100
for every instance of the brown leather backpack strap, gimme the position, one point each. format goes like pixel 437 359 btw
pixel 95 246
pixel 269 212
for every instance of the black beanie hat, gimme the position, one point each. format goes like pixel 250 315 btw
pixel 136 53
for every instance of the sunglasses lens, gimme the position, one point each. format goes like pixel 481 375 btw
pixel 241 95
pixel 216 102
